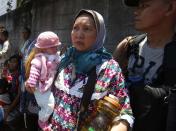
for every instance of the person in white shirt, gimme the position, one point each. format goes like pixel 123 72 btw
pixel 4 48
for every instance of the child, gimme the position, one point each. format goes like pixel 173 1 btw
pixel 40 70
pixel 14 91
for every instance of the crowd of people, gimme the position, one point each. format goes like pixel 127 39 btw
pixel 50 88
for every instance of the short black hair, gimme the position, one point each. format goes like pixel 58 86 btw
pixel 6 62
pixel 26 29
pixel 16 56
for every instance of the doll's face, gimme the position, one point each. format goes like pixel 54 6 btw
pixel 51 50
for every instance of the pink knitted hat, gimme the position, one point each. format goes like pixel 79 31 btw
pixel 47 39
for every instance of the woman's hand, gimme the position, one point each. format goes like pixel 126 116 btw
pixel 29 89
pixel 119 127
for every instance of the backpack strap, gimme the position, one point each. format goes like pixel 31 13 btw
pixel 88 90
pixel 130 45
pixel 133 43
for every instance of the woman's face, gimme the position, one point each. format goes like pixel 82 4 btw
pixel 84 33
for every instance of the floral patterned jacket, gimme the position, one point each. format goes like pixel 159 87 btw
pixel 68 94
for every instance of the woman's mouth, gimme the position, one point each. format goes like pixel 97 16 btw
pixel 79 43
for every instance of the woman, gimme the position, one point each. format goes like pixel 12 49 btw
pixel 87 52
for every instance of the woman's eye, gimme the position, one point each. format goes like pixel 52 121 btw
pixel 86 28
pixel 75 28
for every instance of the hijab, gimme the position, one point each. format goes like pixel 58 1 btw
pixel 85 61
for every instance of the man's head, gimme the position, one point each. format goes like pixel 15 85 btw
pixel 14 63
pixel 26 32
pixel 153 14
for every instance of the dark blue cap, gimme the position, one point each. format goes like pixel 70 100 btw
pixel 131 2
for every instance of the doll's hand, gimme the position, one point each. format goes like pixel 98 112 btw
pixel 29 89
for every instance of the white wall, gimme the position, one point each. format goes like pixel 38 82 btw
pixel 3 6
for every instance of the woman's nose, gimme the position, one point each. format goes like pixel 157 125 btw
pixel 80 34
